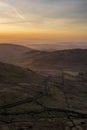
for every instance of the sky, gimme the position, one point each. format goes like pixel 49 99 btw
pixel 43 19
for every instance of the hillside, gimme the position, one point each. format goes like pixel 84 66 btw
pixel 30 100
pixel 14 78
pixel 69 60
pixel 11 52
pixel 73 60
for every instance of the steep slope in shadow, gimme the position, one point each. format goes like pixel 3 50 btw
pixel 20 80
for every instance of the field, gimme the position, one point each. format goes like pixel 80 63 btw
pixel 43 102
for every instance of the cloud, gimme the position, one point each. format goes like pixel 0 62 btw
pixel 46 13
pixel 75 10
pixel 70 9
pixel 9 13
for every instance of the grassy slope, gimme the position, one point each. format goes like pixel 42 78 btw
pixel 68 59
pixel 18 84
pixel 14 74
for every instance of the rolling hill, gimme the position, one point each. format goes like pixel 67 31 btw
pixel 11 52
pixel 69 60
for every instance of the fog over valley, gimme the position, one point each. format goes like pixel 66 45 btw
pixel 48 44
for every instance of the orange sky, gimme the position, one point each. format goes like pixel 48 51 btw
pixel 34 19
pixel 45 35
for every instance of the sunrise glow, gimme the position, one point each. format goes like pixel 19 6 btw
pixel 43 19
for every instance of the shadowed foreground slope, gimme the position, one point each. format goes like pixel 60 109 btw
pixel 29 100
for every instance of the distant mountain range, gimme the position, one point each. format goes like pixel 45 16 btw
pixel 73 59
